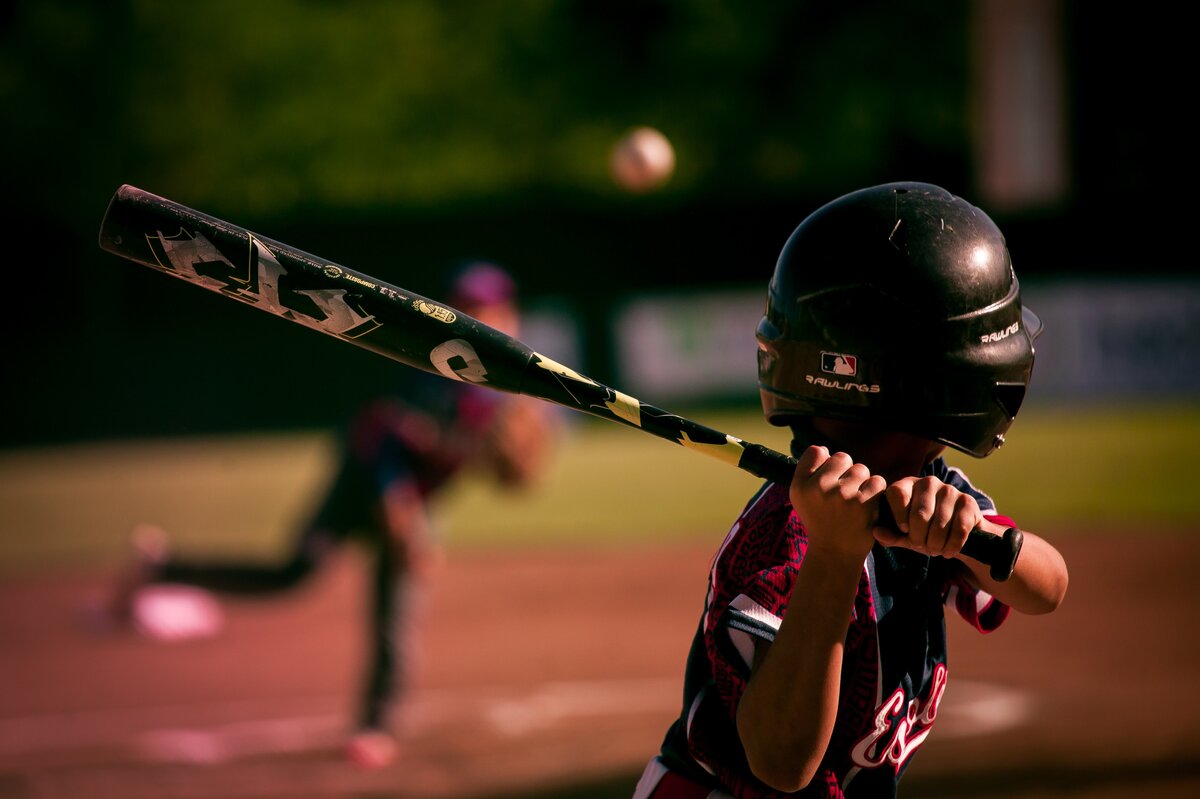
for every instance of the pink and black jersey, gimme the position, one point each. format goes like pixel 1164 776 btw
pixel 894 667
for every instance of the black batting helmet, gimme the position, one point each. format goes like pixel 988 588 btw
pixel 897 305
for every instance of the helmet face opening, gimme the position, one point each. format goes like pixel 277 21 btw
pixel 897 305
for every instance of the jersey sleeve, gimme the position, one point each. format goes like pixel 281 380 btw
pixel 757 612
pixel 752 580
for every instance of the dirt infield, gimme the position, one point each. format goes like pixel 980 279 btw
pixel 554 674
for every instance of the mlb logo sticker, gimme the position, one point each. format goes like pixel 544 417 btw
pixel 838 363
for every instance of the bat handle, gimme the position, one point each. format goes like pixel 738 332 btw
pixel 998 552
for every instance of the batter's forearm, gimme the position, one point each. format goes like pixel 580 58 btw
pixel 1039 579
pixel 787 713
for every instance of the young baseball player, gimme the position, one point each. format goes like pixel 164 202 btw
pixel 398 452
pixel 893 330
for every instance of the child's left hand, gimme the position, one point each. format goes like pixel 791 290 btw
pixel 933 517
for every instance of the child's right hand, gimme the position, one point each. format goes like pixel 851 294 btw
pixel 837 500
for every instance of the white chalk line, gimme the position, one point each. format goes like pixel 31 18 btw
pixel 977 708
pixel 225 732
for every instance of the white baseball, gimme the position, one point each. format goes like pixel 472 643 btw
pixel 642 160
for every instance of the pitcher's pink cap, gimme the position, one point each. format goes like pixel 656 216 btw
pixel 482 283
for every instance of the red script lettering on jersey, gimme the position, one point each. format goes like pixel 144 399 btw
pixel 909 728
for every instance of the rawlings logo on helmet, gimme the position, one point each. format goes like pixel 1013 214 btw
pixel 823 382
pixel 1000 335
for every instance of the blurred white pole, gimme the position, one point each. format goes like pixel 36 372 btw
pixel 1019 103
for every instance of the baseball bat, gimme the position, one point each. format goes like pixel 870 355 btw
pixel 417 331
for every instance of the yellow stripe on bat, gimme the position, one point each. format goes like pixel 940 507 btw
pixel 556 367
pixel 627 408
pixel 623 407
pixel 730 452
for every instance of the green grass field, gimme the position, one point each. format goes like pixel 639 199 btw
pixel 70 506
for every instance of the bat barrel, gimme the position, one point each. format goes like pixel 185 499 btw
pixel 309 290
